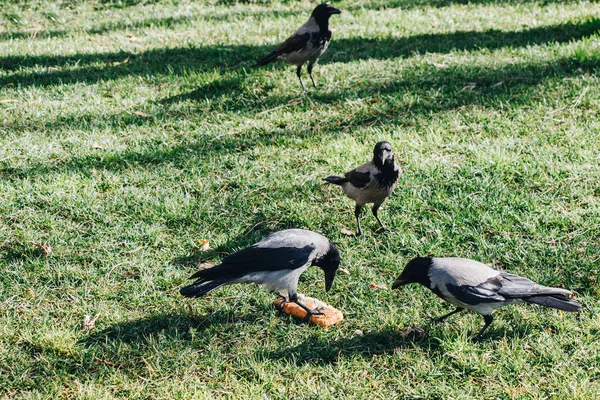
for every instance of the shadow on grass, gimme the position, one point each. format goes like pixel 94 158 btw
pixel 404 47
pixel 319 350
pixel 94 67
pixel 316 350
pixel 18 252
pixel 493 84
pixel 350 5
pixel 127 345
pixel 229 14
pixel 152 155
pixel 515 84
pixel 164 22
pixel 174 326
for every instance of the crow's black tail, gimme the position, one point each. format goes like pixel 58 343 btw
pixel 556 301
pixel 201 287
pixel 336 180
pixel 268 59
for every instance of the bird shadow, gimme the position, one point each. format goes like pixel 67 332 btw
pixel 507 325
pixel 176 326
pixel 319 350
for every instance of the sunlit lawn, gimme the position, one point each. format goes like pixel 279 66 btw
pixel 131 130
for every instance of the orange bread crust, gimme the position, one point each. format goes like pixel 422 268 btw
pixel 331 315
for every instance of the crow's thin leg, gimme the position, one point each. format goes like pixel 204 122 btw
pixel 309 68
pixel 443 317
pixel 357 210
pixel 488 321
pixel 309 312
pixel 375 209
pixel 299 73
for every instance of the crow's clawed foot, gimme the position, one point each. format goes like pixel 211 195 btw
pixel 310 313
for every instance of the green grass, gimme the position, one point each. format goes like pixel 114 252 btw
pixel 130 130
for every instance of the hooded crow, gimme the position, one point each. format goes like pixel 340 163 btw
pixel 469 284
pixel 371 182
pixel 308 43
pixel 275 262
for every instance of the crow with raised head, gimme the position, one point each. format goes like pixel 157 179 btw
pixel 471 285
pixel 308 43
pixel 275 262
pixel 371 182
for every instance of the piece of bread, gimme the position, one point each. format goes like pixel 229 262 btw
pixel 330 315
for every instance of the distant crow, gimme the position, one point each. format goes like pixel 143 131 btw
pixel 275 262
pixel 371 182
pixel 469 284
pixel 308 43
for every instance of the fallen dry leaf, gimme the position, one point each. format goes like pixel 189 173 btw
pixel 470 86
pixel 8 101
pixel 497 84
pixel 374 285
pixel 347 232
pixel 96 146
pixel 344 271
pixel 89 323
pixel 44 247
pixel 441 66
pixel 140 113
pixel 204 245
pixel 125 61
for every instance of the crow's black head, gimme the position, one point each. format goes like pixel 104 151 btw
pixel 322 12
pixel 329 263
pixel 383 154
pixel 416 271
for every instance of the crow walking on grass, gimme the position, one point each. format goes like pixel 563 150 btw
pixel 306 45
pixel 468 284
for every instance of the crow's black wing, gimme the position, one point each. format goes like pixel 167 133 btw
pixel 293 43
pixel 257 259
pixel 358 179
pixel 485 292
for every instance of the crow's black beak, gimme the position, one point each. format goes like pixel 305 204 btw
pixel 399 282
pixel 333 10
pixel 329 277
